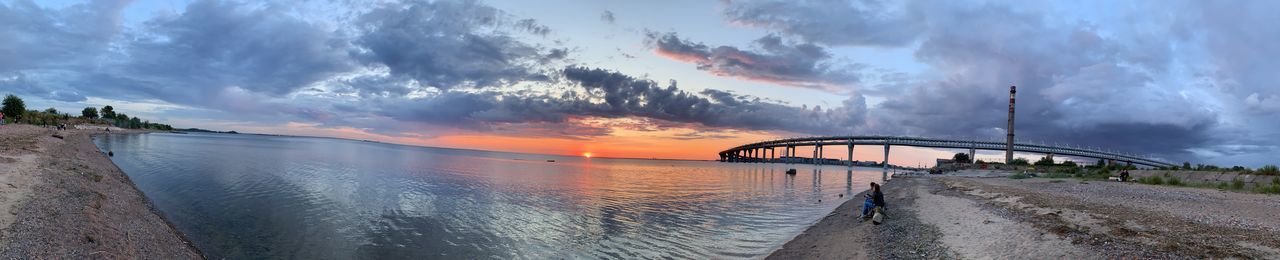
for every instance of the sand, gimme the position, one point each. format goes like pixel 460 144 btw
pixel 982 217
pixel 63 199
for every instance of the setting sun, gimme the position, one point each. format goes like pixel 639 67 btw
pixel 587 154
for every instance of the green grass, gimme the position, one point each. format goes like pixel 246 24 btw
pixel 1019 176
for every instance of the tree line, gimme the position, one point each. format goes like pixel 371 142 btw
pixel 15 111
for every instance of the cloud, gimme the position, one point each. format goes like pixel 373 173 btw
pixel 609 94
pixel 19 84
pixel 1077 83
pixel 776 61
pixel 449 44
pixel 218 44
pixel 1195 84
pixel 38 38
pixel 607 17
pixel 831 22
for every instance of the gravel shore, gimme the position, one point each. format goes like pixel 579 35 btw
pixel 949 217
pixel 841 236
pixel 75 203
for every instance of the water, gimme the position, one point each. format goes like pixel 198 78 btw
pixel 248 196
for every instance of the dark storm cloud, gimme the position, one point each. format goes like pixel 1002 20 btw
pixel 609 94
pixel 449 44
pixel 831 22
pixel 776 61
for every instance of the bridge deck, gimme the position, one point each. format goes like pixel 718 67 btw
pixel 736 153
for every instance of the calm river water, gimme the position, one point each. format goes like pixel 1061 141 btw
pixel 251 196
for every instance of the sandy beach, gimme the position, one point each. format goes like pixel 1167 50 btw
pixel 60 198
pixel 978 216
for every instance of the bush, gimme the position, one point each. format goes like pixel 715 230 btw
pixel 1175 181
pixel 1019 176
pixel 1153 180
pixel 1268 189
pixel 1237 184
pixel 1270 170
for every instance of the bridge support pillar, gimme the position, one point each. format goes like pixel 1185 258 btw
pixel 817 152
pixel 886 156
pixel 973 153
pixel 850 153
pixel 1050 156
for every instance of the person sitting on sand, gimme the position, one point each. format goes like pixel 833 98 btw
pixel 877 197
pixel 868 203
pixel 874 200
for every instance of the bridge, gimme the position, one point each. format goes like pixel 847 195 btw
pixel 766 151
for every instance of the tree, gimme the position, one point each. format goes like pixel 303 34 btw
pixel 108 112
pixel 961 158
pixel 13 107
pixel 122 120
pixel 1101 163
pixel 89 112
pixel 1186 165
pixel 1045 161
pixel 1019 161
pixel 51 111
pixel 135 123
pixel 1069 164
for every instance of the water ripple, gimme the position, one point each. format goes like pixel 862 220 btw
pixel 243 196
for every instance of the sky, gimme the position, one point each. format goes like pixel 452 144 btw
pixel 1175 80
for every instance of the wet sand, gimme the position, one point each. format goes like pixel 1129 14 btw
pixel 63 199
pixel 947 217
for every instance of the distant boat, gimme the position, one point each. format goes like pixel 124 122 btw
pixel 551 160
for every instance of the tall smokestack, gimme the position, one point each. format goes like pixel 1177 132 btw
pixel 1008 148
